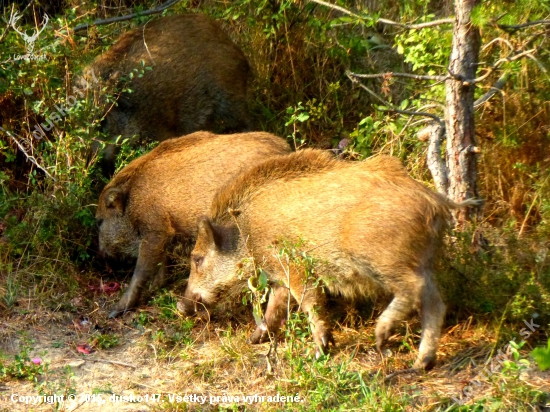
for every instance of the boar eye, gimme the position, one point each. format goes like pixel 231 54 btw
pixel 99 222
pixel 198 260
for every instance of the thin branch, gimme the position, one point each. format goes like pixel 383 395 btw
pixel 28 156
pixel 386 21
pixel 393 74
pixel 392 109
pixel 526 53
pixel 517 27
pixel 9 23
pixel 497 87
pixel 113 362
pixel 419 25
pixel 158 9
pixel 335 7
pixel 500 40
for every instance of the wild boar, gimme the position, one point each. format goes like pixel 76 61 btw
pixel 198 82
pixel 164 192
pixel 367 222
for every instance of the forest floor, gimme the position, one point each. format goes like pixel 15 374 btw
pixel 158 355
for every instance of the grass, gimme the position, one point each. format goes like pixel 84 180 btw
pixel 173 356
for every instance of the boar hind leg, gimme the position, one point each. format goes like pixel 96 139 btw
pixel 398 310
pixel 274 315
pixel 151 255
pixel 432 313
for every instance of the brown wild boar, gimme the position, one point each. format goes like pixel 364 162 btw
pixel 367 222
pixel 198 82
pixel 164 192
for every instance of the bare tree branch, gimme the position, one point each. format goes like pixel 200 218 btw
pixel 385 21
pixel 158 9
pixel 503 60
pixel 392 109
pixel 418 25
pixel 393 74
pixel 28 156
pixel 436 163
pixel 335 7
pixel 501 82
pixel 517 27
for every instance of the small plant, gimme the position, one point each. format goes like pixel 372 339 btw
pixel 167 303
pixel 12 291
pixel 105 341
pixel 64 386
pixel 257 292
pixel 23 367
pixel 542 357
pixel 297 114
pixel 517 364
pixel 142 319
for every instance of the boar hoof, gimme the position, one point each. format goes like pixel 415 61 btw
pixel 427 363
pixel 114 314
pixel 117 312
pixel 382 336
pixel 323 338
pixel 260 335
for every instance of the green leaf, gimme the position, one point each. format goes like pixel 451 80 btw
pixel 542 357
pixel 262 281
pixel 302 117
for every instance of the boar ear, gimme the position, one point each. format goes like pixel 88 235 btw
pixel 115 198
pixel 221 237
pixel 206 232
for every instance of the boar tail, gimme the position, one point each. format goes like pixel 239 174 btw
pixel 469 202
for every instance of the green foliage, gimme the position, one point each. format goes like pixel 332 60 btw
pixel 495 280
pixel 511 13
pixel 330 384
pixel 104 341
pixel 516 365
pixel 542 357
pixel 166 303
pixel 23 367
pixel 427 50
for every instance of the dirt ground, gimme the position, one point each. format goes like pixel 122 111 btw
pixel 218 362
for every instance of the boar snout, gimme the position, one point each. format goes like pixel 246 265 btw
pixel 190 306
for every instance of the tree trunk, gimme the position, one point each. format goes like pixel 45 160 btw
pixel 459 116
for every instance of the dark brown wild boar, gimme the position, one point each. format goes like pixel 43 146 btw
pixel 164 192
pixel 198 81
pixel 367 222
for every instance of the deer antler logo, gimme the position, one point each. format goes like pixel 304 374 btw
pixel 29 40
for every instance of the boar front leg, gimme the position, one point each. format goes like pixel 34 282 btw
pixel 312 301
pixel 151 255
pixel 274 315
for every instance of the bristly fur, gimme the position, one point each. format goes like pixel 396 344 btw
pixel 310 161
pixel 287 167
pixel 168 146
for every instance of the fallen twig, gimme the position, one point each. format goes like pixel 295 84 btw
pixel 112 362
pixel 400 372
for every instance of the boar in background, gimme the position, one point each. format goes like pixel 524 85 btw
pixel 198 82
